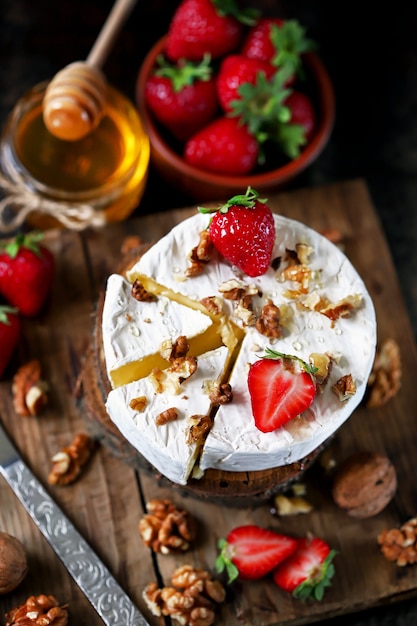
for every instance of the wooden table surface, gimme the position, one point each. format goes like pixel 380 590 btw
pixel 108 500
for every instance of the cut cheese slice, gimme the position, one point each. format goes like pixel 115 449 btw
pixel 135 409
pixel 134 332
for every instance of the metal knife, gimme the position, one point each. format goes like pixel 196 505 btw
pixel 91 575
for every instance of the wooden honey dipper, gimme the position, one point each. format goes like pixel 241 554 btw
pixel 75 99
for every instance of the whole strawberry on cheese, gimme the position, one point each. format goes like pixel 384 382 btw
pixel 199 27
pixel 281 387
pixel 9 334
pixel 27 270
pixel 243 231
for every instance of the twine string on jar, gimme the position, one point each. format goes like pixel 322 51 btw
pixel 76 216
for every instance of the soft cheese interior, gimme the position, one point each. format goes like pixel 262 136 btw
pixel 324 280
pixel 170 446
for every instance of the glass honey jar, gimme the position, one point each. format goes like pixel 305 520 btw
pixel 50 182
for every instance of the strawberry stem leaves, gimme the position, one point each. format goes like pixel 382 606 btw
pixel 290 42
pixel 29 241
pixel 4 311
pixel 248 200
pixel 315 586
pixel 261 106
pixel 247 16
pixel 184 73
pixel 273 354
pixel 224 562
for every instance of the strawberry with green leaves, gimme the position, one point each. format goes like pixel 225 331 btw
pixel 224 145
pixel 250 552
pixel 308 571
pixel 281 387
pixel 234 71
pixel 280 42
pixel 258 43
pixel 9 334
pixel 26 272
pixel 200 27
pixel 302 113
pixel 182 96
pixel 274 113
pixel 243 231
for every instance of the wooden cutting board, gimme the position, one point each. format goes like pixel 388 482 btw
pixel 108 500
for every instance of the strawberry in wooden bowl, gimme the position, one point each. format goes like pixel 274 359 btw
pixel 232 100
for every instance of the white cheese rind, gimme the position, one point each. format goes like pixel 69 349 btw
pixel 166 446
pixel 234 443
pixel 133 330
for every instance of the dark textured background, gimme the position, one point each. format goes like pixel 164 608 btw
pixel 370 52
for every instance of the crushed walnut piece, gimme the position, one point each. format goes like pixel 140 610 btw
pixel 140 294
pixel 243 311
pixel 322 364
pixel 213 304
pixel 400 544
pixel 385 378
pixel 68 462
pixel 221 394
pixel 130 244
pixel 39 610
pixel 233 289
pixel 268 323
pixel 192 599
pixel 291 505
pixel 200 255
pixel 169 415
pixel 138 404
pixel 166 528
pixel 344 308
pixel 199 427
pixel 301 274
pixel 345 387
pixel 29 390
pixel 171 379
pixel 291 502
pixel 183 368
pixel 172 350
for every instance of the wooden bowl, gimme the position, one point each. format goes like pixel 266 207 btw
pixel 202 185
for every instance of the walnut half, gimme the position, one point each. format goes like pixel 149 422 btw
pixel 192 599
pixel 166 528
pixel 39 610
pixel 400 544
pixel 29 390
pixel 68 462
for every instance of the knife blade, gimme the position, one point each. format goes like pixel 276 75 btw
pixel 94 579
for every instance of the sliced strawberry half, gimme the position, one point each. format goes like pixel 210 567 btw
pixel 281 387
pixel 250 552
pixel 308 571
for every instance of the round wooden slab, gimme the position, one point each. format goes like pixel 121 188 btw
pixel 229 488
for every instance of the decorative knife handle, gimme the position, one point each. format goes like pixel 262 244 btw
pixel 90 574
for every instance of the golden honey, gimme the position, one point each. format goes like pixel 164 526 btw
pixel 100 177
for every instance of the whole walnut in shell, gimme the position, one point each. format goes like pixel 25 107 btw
pixel 364 484
pixel 13 562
